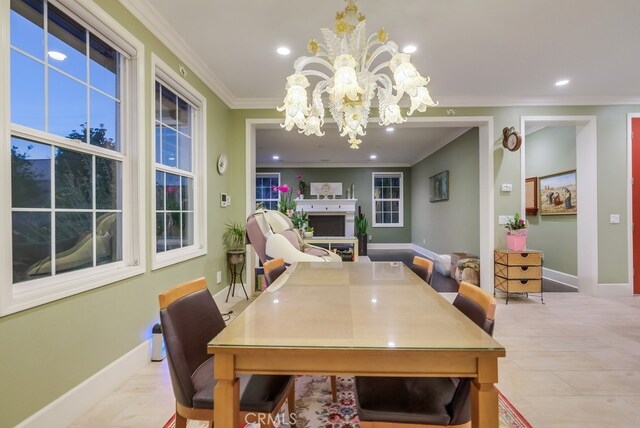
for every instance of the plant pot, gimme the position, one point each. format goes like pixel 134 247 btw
pixel 235 257
pixel 362 244
pixel 308 235
pixel 516 242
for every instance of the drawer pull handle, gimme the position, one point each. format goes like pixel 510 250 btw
pixel 525 268
pixel 524 281
pixel 524 254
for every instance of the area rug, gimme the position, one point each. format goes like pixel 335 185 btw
pixel 315 409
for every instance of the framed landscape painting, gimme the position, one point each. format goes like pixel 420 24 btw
pixel 439 187
pixel 558 194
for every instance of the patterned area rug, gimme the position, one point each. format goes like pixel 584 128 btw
pixel 315 409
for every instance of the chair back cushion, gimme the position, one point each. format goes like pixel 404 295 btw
pixel 423 267
pixel 478 305
pixel 273 269
pixel 188 324
pixel 256 237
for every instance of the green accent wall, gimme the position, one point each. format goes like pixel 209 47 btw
pixel 48 350
pixel 452 225
pixel 362 178
pixel 552 150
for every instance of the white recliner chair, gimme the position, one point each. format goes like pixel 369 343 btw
pixel 272 235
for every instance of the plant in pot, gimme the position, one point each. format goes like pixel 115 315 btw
pixel 300 220
pixel 234 241
pixel 308 232
pixel 361 232
pixel 517 229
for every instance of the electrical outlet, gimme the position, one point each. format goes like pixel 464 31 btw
pixel 614 219
pixel 506 187
pixel 219 277
pixel 370 237
pixel 424 241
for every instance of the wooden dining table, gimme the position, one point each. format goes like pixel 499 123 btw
pixel 364 319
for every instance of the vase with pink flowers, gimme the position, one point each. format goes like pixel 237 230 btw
pixel 287 204
pixel 302 185
pixel 517 229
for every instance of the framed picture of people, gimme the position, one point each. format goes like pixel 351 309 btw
pixel 558 194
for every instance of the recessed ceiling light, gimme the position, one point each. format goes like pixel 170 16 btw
pixel 58 56
pixel 562 82
pixel 276 157
pixel 390 129
pixel 409 49
pixel 373 156
pixel 282 50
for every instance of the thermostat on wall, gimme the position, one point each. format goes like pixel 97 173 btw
pixel 225 200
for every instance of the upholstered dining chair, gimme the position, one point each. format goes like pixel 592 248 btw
pixel 396 402
pixel 424 268
pixel 273 269
pixel 190 319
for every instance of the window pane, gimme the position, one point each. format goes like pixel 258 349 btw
pixel 158 143
pixel 386 193
pixel 103 67
pixel 187 194
pixel 159 191
pixel 27 23
pixel 73 171
pixel 395 218
pixel 378 206
pixel 169 147
pixel 108 179
pixel 30 174
pixel 27 91
pixel 174 224
pixel 395 206
pixel 378 217
pixel 377 182
pixel 184 152
pixel 31 245
pixel 104 123
pixel 386 218
pixel 158 100
pixel 172 194
pixel 74 241
pixel 169 108
pixel 184 117
pixel 67 107
pixel 395 193
pixel 160 238
pixel 70 39
pixel 187 229
pixel 108 238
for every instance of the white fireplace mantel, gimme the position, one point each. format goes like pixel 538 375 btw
pixel 345 207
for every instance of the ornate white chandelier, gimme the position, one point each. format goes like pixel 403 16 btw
pixel 351 76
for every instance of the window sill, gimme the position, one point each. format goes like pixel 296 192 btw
pixel 388 225
pixel 34 293
pixel 162 260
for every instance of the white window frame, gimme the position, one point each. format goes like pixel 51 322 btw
pixel 25 295
pixel 269 174
pixel 174 81
pixel 400 200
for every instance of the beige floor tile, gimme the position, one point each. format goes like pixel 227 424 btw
pixel 549 360
pixel 603 382
pixel 527 383
pixel 585 412
pixel 571 343
pixel 634 400
pixel 514 343
pixel 614 359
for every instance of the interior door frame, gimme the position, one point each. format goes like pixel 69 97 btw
pixel 630 117
pixel 586 163
pixel 486 179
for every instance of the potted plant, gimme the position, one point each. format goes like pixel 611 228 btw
pixel 287 204
pixel 302 185
pixel 300 220
pixel 517 233
pixel 308 232
pixel 361 232
pixel 234 241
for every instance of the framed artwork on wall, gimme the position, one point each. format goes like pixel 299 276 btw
pixel 559 194
pixel 439 187
pixel 531 195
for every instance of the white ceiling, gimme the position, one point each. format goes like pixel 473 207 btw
pixel 489 52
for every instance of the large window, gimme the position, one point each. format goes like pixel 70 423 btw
pixel 266 197
pixel 179 169
pixel 387 199
pixel 69 158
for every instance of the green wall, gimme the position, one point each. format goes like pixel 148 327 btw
pixel 47 350
pixel 361 177
pixel 452 225
pixel 549 151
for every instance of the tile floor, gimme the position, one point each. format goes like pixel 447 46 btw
pixel 573 362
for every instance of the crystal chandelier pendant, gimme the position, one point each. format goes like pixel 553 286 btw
pixel 347 71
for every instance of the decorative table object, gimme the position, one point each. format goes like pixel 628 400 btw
pixel 517 233
pixel 518 272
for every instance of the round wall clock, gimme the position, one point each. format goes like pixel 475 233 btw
pixel 511 139
pixel 222 163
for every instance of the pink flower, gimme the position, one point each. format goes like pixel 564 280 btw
pixel 274 188
pixel 298 192
pixel 298 176
pixel 284 188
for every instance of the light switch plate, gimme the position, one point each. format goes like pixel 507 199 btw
pixel 614 219
pixel 506 187
pixel 219 277
pixel 503 219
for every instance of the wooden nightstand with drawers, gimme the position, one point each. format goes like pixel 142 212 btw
pixel 518 272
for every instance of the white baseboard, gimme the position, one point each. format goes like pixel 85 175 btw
pixel 561 277
pixel 427 253
pixel 74 403
pixel 389 246
pixel 614 290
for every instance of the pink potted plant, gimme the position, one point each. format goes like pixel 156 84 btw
pixel 517 233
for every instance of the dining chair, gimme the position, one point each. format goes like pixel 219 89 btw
pixel 424 268
pixel 273 269
pixel 396 402
pixel 190 318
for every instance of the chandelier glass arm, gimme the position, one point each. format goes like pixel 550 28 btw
pixel 304 61
pixel 317 73
pixel 392 49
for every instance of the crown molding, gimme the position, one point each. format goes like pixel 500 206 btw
pixel 144 11
pixel 451 135
pixel 331 165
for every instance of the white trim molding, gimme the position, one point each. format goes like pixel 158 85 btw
pixel 74 403
pixel 425 252
pixel 614 290
pixel 389 246
pixel 560 277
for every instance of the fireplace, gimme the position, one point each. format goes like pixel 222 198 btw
pixel 327 225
